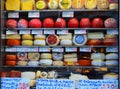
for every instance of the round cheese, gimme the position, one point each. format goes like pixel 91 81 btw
pixel 90 4
pixel 46 56
pixel 71 55
pixel 102 4
pixel 78 4
pixel 43 74
pixel 39 37
pixel 113 6
pixel 27 42
pixel 40 4
pixel 33 63
pixel 22 63
pixel 79 40
pixel 46 62
pixel 27 37
pixel 97 56
pixel 98 63
pixel 65 36
pixel 111 56
pixel 65 4
pixel 32 83
pixel 33 56
pixel 22 56
pixel 111 63
pixel 66 42
pixel 70 59
pixel 52 4
pixel 39 42
pixel 28 74
pixel 95 35
pixel 57 56
pixel 111 76
pixel 58 63
pixel 13 36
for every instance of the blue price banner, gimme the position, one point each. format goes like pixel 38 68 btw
pixel 15 83
pixel 55 84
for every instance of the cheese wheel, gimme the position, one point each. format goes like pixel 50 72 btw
pixel 110 56
pixel 66 42
pixel 78 4
pixel 110 36
pixel 46 56
pixel 70 59
pixel 46 62
pixel 13 42
pixel 52 4
pixel 58 63
pixel 84 62
pixel 40 4
pixel 33 56
pixel 65 36
pixel 97 56
pixel 113 6
pixel 71 55
pixel 10 63
pixel 111 76
pixel 32 83
pixel 43 74
pixel 90 4
pixel 27 42
pixel 57 56
pixel 15 74
pixel 13 36
pixel 79 40
pixel 22 63
pixel 65 4
pixel 38 74
pixel 52 40
pixel 70 63
pixel 98 63
pixel 10 57
pixel 28 74
pixel 95 35
pixel 22 56
pixel 39 42
pixel 39 37
pixel 102 4
pixel 33 63
pixel 27 37
pixel 111 63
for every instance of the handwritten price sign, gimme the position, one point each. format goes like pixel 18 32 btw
pixel 98 84
pixel 15 83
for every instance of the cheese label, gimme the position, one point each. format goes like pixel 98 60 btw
pixel 62 31
pixel 80 31
pixel 68 14
pixel 24 32
pixel 15 83
pixel 55 84
pixel 50 31
pixel 98 84
pixel 33 15
pixel 71 49
pixel 37 31
pixel 44 49
pixel 13 15
pixel 10 49
pixel 21 49
pixel 57 49
pixel 24 49
pixel 11 32
pixel 85 49
pixel 112 31
pixel 111 49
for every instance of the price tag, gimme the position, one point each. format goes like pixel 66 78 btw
pixel 21 49
pixel 13 15
pixel 11 32
pixel 112 31
pixel 71 49
pixel 55 84
pixel 24 32
pixel 32 49
pixel 33 14
pixel 15 83
pixel 62 31
pixel 85 49
pixel 57 50
pixel 68 14
pixel 37 31
pixel 44 49
pixel 98 84
pixel 10 49
pixel 49 31
pixel 111 49
pixel 80 31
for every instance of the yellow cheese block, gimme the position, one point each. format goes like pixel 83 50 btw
pixel 12 4
pixel 27 4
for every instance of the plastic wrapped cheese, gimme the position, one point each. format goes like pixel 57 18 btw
pixel 27 4
pixel 39 37
pixel 45 62
pixel 46 56
pixel 95 35
pixel 70 59
pixel 57 56
pixel 58 63
pixel 13 36
pixel 71 55
pixel 111 56
pixel 22 63
pixel 65 36
pixel 66 42
pixel 33 63
pixel 39 42
pixel 98 63
pixel 33 56
pixel 111 76
pixel 98 56
pixel 28 74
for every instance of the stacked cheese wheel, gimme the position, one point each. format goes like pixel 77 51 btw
pixel 39 40
pixel 27 40
pixel 11 59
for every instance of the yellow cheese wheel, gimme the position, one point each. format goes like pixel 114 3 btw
pixel 27 37
pixel 102 4
pixel 13 36
pixel 40 4
pixel 90 4
pixel 33 56
pixel 65 4
pixel 27 42
pixel 46 56
pixel 22 63
pixel 27 4
pixel 78 4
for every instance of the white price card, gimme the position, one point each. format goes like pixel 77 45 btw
pixel 112 31
pixel 62 31
pixel 21 49
pixel 11 32
pixel 50 31
pixel 37 31
pixel 55 84
pixel 111 49
pixel 10 49
pixel 71 49
pixel 57 49
pixel 44 49
pixel 24 32
pixel 15 83
pixel 98 84
pixel 80 31
pixel 13 15
pixel 33 15
pixel 68 14
pixel 85 49
pixel 32 49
